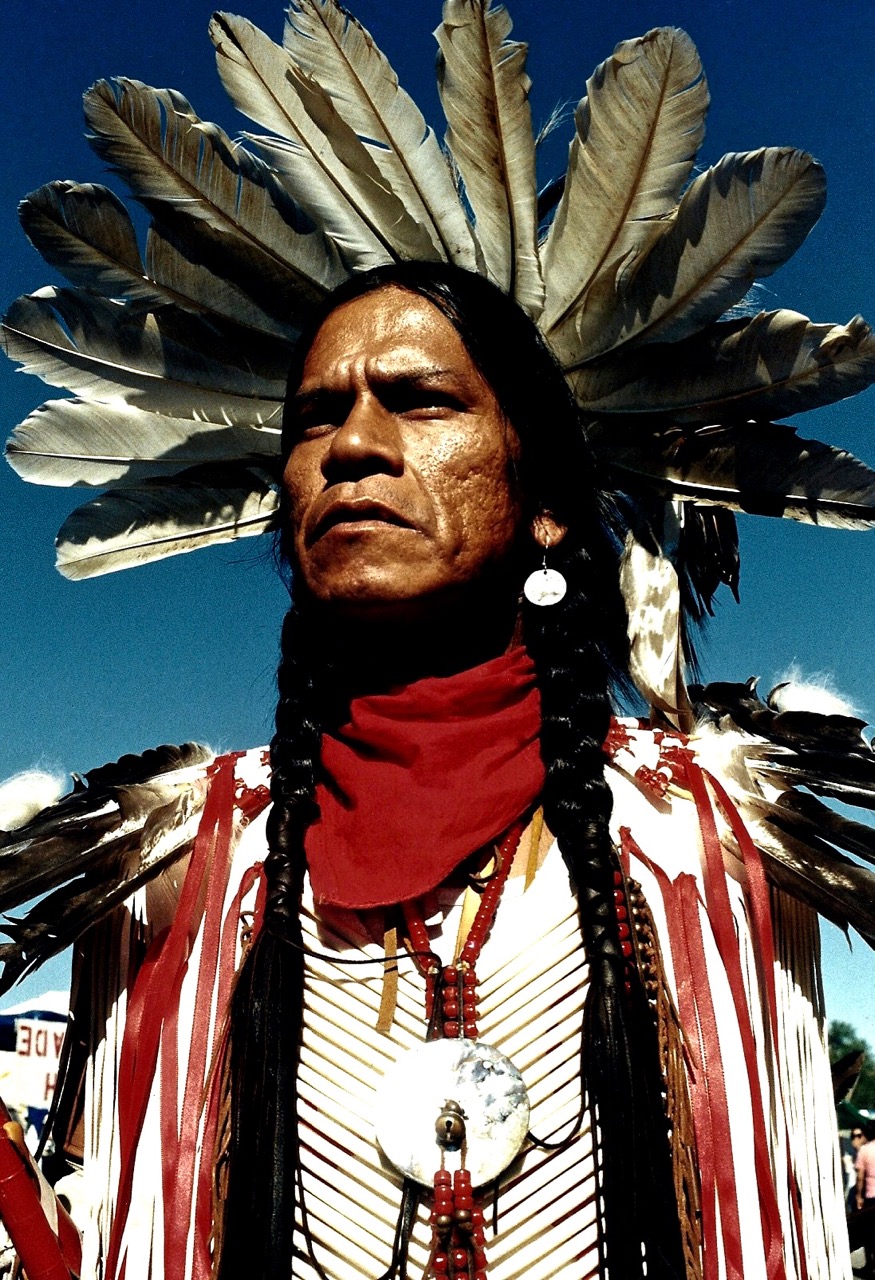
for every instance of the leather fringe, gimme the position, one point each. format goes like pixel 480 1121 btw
pixel 677 1097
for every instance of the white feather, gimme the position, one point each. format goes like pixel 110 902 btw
pixel 637 134
pixel 84 230
pixel 815 692
pixel 204 289
pixel 762 468
pixel 26 794
pixel 765 367
pixel 321 161
pixel 76 442
pixel 485 94
pixel 336 52
pixel 103 351
pixel 190 171
pixel 650 587
pixel 737 222
pixel 127 527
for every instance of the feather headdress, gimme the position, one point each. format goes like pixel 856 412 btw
pixel 176 357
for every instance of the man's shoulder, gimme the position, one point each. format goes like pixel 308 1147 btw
pixel 118 828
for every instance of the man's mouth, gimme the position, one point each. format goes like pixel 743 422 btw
pixel 354 511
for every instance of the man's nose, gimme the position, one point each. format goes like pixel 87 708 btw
pixel 367 441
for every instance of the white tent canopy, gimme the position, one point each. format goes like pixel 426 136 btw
pixel 57 1002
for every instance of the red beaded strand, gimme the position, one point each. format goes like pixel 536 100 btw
pixel 428 963
pixel 458 1233
pixel 624 931
pixel 459 1236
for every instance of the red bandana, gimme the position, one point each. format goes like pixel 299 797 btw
pixel 418 780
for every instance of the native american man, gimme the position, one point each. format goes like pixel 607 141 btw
pixel 429 712
pixel 462 974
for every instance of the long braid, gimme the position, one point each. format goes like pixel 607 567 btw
pixel 267 1006
pixel 620 1071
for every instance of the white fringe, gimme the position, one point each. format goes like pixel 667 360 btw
pixel 806 1085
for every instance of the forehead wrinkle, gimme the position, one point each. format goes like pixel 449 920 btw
pixel 383 369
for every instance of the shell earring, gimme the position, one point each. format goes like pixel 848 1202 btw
pixel 545 586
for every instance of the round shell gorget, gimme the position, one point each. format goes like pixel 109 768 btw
pixel 452 1078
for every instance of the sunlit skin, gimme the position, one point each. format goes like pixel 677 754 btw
pixel 401 481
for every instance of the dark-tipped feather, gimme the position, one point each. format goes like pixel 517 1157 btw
pixel 118 827
pixel 810 849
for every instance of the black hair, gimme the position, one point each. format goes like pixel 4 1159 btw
pixel 579 649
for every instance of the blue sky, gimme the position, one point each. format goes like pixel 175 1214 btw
pixel 187 649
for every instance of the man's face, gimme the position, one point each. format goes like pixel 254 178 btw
pixel 400 477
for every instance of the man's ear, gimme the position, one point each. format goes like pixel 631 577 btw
pixel 547 531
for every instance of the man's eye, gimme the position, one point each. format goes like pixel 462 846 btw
pixel 313 425
pixel 314 419
pixel 403 399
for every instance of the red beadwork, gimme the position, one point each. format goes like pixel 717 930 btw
pixel 654 779
pixel 451 975
pixel 626 948
pixel 470 1029
pixel 416 930
pixel 452 1008
pixel 440 1264
pixel 491 896
pixel 469 978
pixel 460 1259
pixel 443 1178
pixel 452 1030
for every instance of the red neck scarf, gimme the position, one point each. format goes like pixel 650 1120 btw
pixel 416 781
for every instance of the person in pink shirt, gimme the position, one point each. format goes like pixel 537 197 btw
pixel 865 1166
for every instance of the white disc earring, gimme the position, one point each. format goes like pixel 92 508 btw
pixel 545 586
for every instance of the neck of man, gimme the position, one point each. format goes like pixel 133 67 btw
pixel 388 648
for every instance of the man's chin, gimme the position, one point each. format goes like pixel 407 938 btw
pixel 395 598
pixel 374 605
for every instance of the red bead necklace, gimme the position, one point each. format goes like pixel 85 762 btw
pixel 458 1235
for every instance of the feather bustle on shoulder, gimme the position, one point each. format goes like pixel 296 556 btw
pixel 119 827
